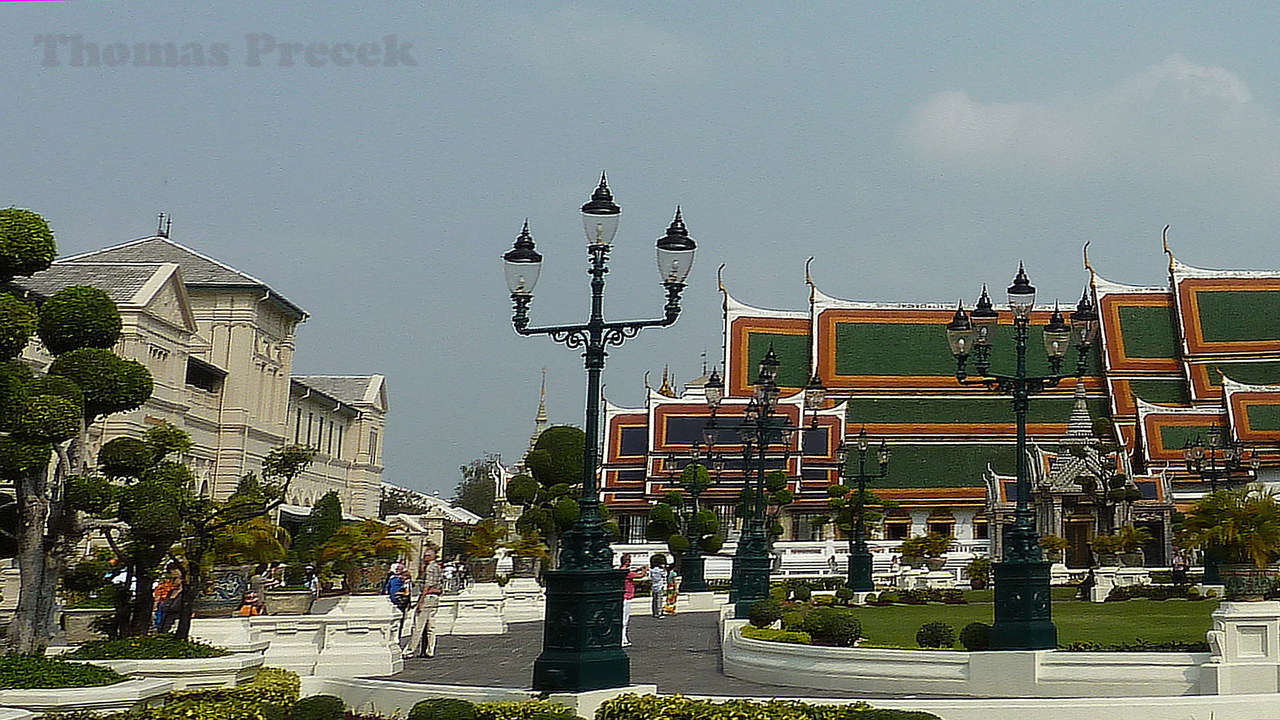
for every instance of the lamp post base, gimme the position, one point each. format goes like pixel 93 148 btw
pixel 1023 617
pixel 753 583
pixel 692 574
pixel 860 572
pixel 582 634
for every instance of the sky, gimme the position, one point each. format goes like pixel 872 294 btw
pixel 373 161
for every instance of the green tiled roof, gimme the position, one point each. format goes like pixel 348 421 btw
pixel 1239 315
pixel 1174 437
pixel 1167 392
pixel 1252 373
pixel 908 349
pixel 792 352
pixel 976 409
pixel 1263 417
pixel 1148 331
pixel 941 466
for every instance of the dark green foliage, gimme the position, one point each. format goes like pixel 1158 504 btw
pixel 522 490
pixel 49 419
pixel 557 456
pixel 125 457
pixel 110 383
pixel 15 379
pixel 476 491
pixel 565 513
pixel 56 386
pixel 1138 645
pixel 318 707
pixel 26 243
pixel 705 522
pixel 35 671
pixel 832 626
pixel 145 647
pixel 18 457
pixel 636 707
pixel 79 317
pixel 764 613
pixel 802 593
pixel 317 528
pixel 157 525
pixel 443 709
pixel 662 522
pixel 166 440
pixel 936 635
pixel 267 697
pixel 85 577
pixel 17 323
pixel 844 594
pixel 677 544
pixel 976 637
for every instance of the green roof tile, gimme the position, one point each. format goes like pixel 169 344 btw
pixel 792 352
pixel 942 466
pixel 1239 315
pixel 976 409
pixel 1253 373
pixel 909 349
pixel 1263 417
pixel 1148 332
pixel 1168 392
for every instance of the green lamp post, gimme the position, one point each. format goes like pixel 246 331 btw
pixel 1023 608
pixel 582 633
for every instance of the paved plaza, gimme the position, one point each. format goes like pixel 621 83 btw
pixel 680 654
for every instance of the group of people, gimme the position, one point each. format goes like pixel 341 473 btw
pixel 400 590
pixel 264 578
pixel 664 587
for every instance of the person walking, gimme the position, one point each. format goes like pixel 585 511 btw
pixel 628 594
pixel 658 583
pixel 399 593
pixel 422 639
pixel 259 582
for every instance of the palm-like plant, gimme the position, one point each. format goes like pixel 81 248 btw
pixel 1242 525
pixel 365 540
pixel 251 541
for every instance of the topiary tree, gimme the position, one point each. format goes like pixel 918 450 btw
pixel 548 497
pixel 317 528
pixel 936 635
pixel 776 494
pixel 681 524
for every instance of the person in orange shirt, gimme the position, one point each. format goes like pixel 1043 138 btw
pixel 250 606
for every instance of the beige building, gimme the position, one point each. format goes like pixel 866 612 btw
pixel 219 344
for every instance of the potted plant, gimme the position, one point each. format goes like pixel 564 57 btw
pixel 529 552
pixel 1054 547
pixel 912 550
pixel 363 551
pixel 482 549
pixel 1131 539
pixel 979 572
pixel 934 549
pixel 1106 550
pixel 1242 527
pixel 292 598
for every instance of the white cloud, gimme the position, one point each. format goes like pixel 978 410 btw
pixel 1175 118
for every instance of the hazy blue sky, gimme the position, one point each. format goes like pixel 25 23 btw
pixel 916 149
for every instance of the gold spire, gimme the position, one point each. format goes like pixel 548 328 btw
pixel 666 383
pixel 1093 277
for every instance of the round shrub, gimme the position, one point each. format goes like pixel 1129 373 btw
pixel 705 522
pixel 522 490
pixel 976 637
pixel 56 386
pixel 802 593
pixel 764 613
pixel 890 596
pixel 17 323
pixel 565 512
pixel 936 635
pixel 844 594
pixel 319 707
pixel 833 626
pixel 712 544
pixel 779 592
pixel 18 457
pixel 110 383
pixel 79 317
pixel 14 383
pixel 49 419
pixel 677 544
pixel 90 494
pixel 443 709
pixel 26 243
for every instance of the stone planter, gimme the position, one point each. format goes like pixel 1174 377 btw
pixel 224 591
pixel 120 697
pixel 289 602
pixel 1053 556
pixel 1132 559
pixel 191 673
pixel 1245 582
pixel 367 577
pixel 76 624
pixel 1108 559
pixel 525 567
pixel 912 561
pixel 483 570
pixel 935 563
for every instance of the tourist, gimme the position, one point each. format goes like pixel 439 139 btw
pixel 170 583
pixel 168 609
pixel 312 581
pixel 422 640
pixel 673 592
pixel 250 606
pixel 259 582
pixel 399 592
pixel 628 594
pixel 658 583
pixel 1179 569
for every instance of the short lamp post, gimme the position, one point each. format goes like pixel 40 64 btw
pixel 859 554
pixel 760 429
pixel 1220 460
pixel 1023 611
pixel 694 479
pixel 582 633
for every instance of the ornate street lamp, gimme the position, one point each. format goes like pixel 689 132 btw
pixel 859 554
pixel 1218 460
pixel 695 479
pixel 582 633
pixel 760 429
pixel 1023 613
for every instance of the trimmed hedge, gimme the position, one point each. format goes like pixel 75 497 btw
pixel 644 707
pixel 782 636
pixel 443 709
pixel 22 672
pixel 145 647
pixel 976 637
pixel 319 707
pixel 936 635
pixel 764 613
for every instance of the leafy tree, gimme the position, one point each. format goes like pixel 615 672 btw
pixel 317 528
pixel 249 542
pixel 365 540
pixel 549 497
pixel 678 523
pixel 843 503
pixel 477 490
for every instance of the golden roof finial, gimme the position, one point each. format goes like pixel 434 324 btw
pixel 666 382
pixel 1164 238
pixel 1093 277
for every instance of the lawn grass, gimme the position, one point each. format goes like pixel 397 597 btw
pixel 1103 623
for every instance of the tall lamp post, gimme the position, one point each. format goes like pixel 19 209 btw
pixel 1023 612
pixel 582 633
pixel 760 429
pixel 692 562
pixel 1218 460
pixel 859 554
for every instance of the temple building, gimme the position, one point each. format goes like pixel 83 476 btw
pixel 1195 364
pixel 219 344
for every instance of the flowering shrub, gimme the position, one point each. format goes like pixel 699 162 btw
pixel 647 707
